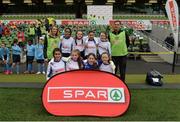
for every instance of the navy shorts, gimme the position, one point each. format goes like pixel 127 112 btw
pixel 30 59
pixel 66 54
pixel 5 57
pixel 16 58
pixel 41 61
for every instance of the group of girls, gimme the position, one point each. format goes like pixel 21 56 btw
pixel 60 64
pixel 81 52
pixel 32 52
pixel 63 53
pixel 85 44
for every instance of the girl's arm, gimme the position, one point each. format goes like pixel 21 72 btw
pixel 113 66
pixel 49 72
pixel 60 46
pixel 109 48
pixel 74 44
pixel 8 54
pixel 36 52
pixel 60 42
pixel 65 59
pixel 45 46
pixel 20 50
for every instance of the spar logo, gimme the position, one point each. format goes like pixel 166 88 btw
pixel 116 94
pixel 85 94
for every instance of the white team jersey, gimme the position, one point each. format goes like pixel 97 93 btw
pixel 106 67
pixel 79 44
pixel 72 65
pixel 104 47
pixel 55 67
pixel 66 44
pixel 91 46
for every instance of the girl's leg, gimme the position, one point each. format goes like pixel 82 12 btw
pixel 29 67
pixel 17 68
pixel 6 67
pixel 39 68
pixel 12 67
pixel 42 68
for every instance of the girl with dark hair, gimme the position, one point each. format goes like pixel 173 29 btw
pixel 91 62
pixel 79 43
pixel 16 52
pixel 91 44
pixel 66 44
pixel 56 64
pixel 30 48
pixel 4 57
pixel 104 45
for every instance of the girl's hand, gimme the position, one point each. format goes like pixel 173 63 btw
pixel 46 60
pixel 5 61
pixel 86 46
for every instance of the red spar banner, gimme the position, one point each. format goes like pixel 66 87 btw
pixel 75 22
pixel 89 93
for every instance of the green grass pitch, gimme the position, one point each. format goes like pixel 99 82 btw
pixel 25 104
pixel 130 78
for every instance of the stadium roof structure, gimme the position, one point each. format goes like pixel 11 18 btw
pixel 72 6
pixel 70 2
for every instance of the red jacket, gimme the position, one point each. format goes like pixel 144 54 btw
pixel 6 31
pixel 21 37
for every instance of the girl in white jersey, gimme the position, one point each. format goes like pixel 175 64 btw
pixel 106 64
pixel 104 45
pixel 79 43
pixel 66 44
pixel 91 44
pixel 56 65
pixel 75 61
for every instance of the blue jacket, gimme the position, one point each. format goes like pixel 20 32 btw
pixel 3 52
pixel 1 29
pixel 30 50
pixel 16 50
pixel 39 51
pixel 89 66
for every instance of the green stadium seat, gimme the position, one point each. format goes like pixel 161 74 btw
pixel 137 42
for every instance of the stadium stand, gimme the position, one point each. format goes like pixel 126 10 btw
pixel 69 6
pixel 65 9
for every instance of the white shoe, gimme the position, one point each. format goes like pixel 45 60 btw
pixel 44 73
pixel 38 73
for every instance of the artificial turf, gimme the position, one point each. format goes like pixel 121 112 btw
pixel 25 104
pixel 130 78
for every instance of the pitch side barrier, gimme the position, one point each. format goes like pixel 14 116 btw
pixel 151 53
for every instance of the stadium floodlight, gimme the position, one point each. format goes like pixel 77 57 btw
pixel 48 2
pixel 152 1
pixel 89 2
pixel 11 4
pixel 27 1
pixel 6 1
pixel 69 2
pixel 109 2
pixel 129 2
